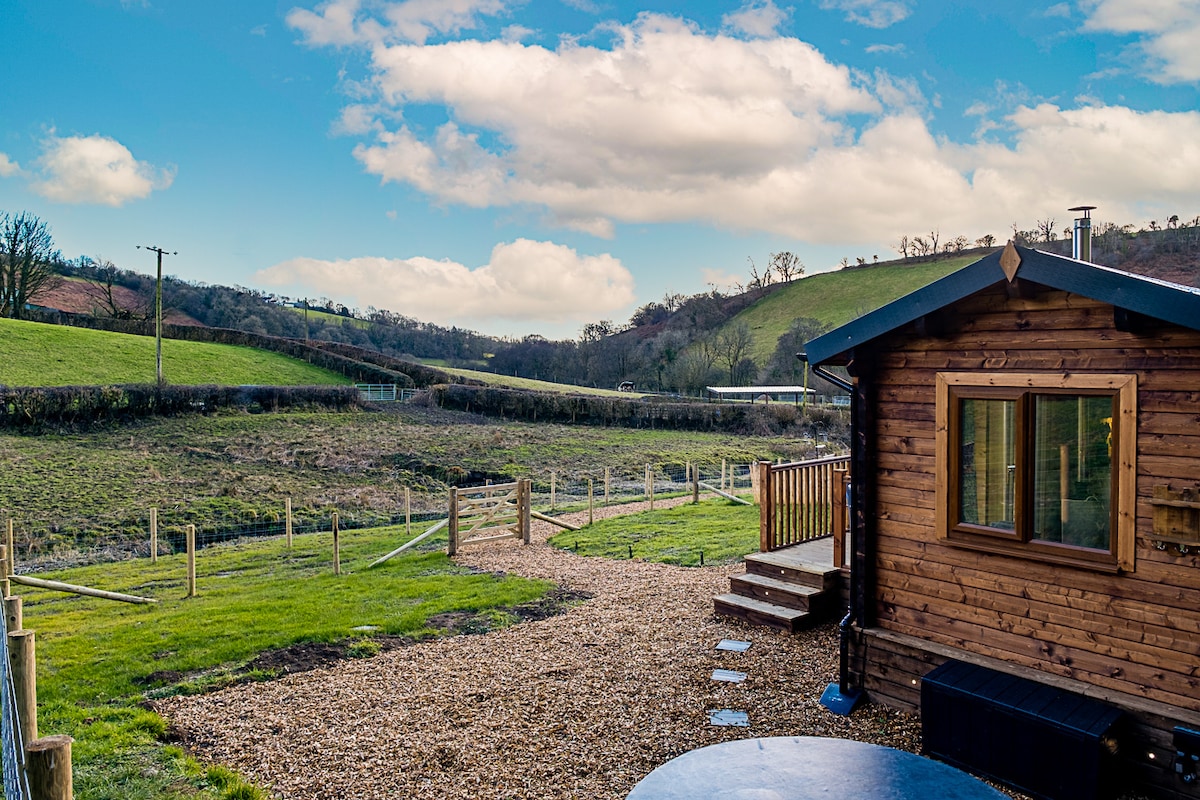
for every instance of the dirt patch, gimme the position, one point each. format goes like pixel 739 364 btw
pixel 306 656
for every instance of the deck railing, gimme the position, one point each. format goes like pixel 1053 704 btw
pixel 803 500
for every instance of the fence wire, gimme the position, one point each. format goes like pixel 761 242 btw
pixel 15 785
pixel 51 544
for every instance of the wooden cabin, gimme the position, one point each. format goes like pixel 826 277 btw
pixel 1026 498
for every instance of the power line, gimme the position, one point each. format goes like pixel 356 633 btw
pixel 158 372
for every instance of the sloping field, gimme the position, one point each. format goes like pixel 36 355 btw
pixel 835 298
pixel 37 354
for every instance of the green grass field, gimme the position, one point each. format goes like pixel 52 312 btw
pixel 836 298
pixel 717 530
pixel 37 354
pixel 99 660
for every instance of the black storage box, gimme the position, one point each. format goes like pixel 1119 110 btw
pixel 1046 742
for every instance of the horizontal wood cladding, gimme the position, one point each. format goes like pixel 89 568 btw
pixel 1136 633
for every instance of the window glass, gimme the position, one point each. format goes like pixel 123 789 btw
pixel 1073 470
pixel 987 492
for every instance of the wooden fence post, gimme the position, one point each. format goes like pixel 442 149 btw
pixel 337 555
pixel 191 560
pixel 766 506
pixel 607 483
pixel 695 483
pixel 524 506
pixel 287 521
pixel 48 768
pixel 153 534
pixel 24 672
pixel 4 571
pixel 553 487
pixel 12 551
pixel 591 518
pixel 724 486
pixel 650 485
pixel 13 613
pixel 407 511
pixel 452 545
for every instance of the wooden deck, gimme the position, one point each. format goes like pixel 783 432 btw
pixel 790 589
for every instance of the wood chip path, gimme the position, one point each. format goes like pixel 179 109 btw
pixel 580 705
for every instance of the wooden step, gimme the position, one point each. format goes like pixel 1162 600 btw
pixel 784 566
pixel 779 593
pixel 757 612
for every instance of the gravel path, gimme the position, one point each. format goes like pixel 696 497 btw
pixel 580 705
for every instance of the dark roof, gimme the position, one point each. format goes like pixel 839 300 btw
pixel 1157 299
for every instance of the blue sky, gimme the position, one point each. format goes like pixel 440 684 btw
pixel 528 167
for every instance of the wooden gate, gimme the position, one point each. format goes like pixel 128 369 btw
pixel 486 513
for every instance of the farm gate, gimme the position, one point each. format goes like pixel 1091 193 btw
pixel 486 513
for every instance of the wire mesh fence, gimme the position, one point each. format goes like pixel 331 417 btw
pixel 42 544
pixel 15 786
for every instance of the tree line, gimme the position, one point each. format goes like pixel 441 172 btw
pixel 679 344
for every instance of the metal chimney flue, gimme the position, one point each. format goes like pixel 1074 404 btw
pixel 1081 243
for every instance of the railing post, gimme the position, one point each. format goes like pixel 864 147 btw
pixel 766 507
pixel 23 662
pixel 839 517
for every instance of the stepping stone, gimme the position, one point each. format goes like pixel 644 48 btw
pixel 733 645
pixel 729 718
pixel 729 675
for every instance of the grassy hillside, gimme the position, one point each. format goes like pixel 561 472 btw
pixel 837 297
pixel 36 354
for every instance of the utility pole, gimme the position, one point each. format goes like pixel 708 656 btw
pixel 158 312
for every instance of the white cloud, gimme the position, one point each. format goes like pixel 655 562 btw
pixel 523 281
pixel 1062 10
pixel 759 18
pixel 871 13
pixel 95 169
pixel 894 49
pixel 659 127
pixel 1168 31
pixel 671 124
pixel 345 22
pixel 8 167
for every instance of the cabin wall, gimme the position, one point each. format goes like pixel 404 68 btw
pixel 1135 633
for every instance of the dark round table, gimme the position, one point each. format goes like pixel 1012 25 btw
pixel 807 768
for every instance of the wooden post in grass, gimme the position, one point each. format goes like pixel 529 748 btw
pixel 553 486
pixel 13 613
pixel 4 572
pixel 525 507
pixel 337 555
pixel 724 464
pixel 650 485
pixel 452 545
pixel 607 483
pixel 695 483
pixel 191 560
pixel 153 534
pixel 48 768
pixel 407 511
pixel 591 518
pixel 287 521
pixel 24 673
pixel 12 551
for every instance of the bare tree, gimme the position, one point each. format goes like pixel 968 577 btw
pixel 103 289
pixel 904 246
pixel 787 266
pixel 987 240
pixel 26 262
pixel 1045 230
pixel 731 346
